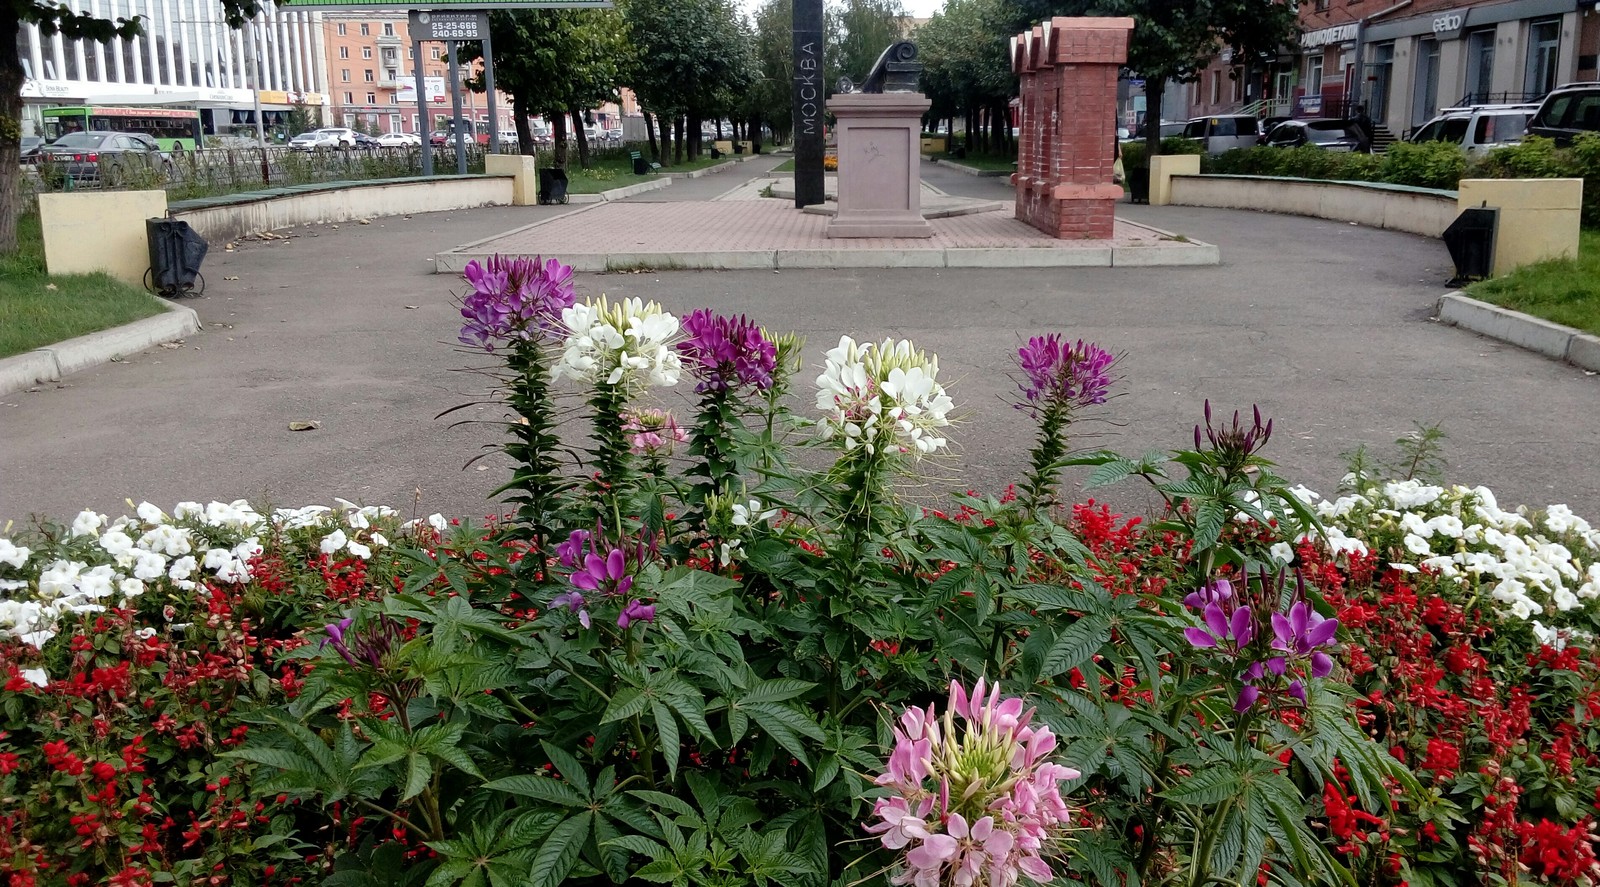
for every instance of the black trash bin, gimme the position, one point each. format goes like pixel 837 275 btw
pixel 176 252
pixel 641 166
pixel 1139 185
pixel 1471 242
pixel 552 185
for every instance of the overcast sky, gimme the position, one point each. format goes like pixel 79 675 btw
pixel 914 8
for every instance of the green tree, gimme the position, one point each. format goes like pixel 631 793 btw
pixel 52 18
pixel 556 63
pixel 967 73
pixel 771 96
pixel 693 57
pixel 858 32
pixel 1174 39
pixel 303 118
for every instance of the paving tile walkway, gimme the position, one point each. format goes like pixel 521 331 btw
pixel 705 226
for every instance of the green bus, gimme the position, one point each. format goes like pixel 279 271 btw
pixel 172 128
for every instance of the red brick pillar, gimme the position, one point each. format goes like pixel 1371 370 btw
pixel 1067 68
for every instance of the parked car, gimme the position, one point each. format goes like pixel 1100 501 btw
pixel 1224 132
pixel 327 137
pixel 1477 129
pixel 1328 134
pixel 399 140
pixel 367 142
pixel 1567 111
pixel 104 157
pixel 31 146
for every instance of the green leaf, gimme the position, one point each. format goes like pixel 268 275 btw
pixel 559 851
pixel 540 788
pixel 667 726
pixel 1076 645
pixel 827 770
pixel 1210 786
pixel 777 690
pixel 569 767
pixel 418 771
pixel 786 726
pixel 628 702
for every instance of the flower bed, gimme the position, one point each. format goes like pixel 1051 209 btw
pixel 732 665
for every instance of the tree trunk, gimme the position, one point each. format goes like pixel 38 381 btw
pixel 519 114
pixel 677 138
pixel 719 129
pixel 10 127
pixel 752 132
pixel 558 131
pixel 696 126
pixel 650 133
pixel 583 136
pixel 1153 88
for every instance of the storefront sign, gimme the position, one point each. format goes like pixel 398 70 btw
pixel 1329 36
pixel 449 25
pixel 1448 24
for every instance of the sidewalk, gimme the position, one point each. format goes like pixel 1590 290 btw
pixel 1325 325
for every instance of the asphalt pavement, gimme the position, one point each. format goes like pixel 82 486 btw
pixel 1325 325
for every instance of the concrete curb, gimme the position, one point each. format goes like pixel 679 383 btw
pixel 1563 343
pixel 1192 253
pixel 619 193
pixel 698 173
pixel 50 364
pixel 970 170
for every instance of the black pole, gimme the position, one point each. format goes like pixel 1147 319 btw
pixel 423 123
pixel 455 109
pixel 488 82
pixel 810 92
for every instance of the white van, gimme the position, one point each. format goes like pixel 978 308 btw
pixel 1477 129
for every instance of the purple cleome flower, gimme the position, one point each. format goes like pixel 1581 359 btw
pixel 513 299
pixel 727 352
pixel 598 569
pixel 1069 376
pixel 636 611
pixel 1298 638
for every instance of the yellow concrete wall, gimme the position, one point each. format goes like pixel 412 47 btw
pixel 1163 167
pixel 524 188
pixel 90 231
pixel 933 145
pixel 723 145
pixel 1539 218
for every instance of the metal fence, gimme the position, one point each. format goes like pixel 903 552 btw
pixel 217 172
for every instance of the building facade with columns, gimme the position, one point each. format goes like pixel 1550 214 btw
pixel 187 55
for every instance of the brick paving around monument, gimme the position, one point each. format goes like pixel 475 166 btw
pixel 733 226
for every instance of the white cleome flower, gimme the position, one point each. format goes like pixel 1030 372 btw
pixel 622 343
pixel 882 396
pixel 752 513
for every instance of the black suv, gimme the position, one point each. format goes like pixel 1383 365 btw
pixel 1567 111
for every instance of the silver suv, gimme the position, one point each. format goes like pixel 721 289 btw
pixel 1223 132
pixel 1479 128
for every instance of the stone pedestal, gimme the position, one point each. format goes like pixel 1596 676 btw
pixel 880 188
pixel 1067 68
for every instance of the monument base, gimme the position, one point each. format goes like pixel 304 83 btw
pixel 867 223
pixel 880 164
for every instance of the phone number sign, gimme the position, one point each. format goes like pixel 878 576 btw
pixel 449 25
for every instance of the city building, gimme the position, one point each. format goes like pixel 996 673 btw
pixel 1401 62
pixel 187 57
pixel 371 70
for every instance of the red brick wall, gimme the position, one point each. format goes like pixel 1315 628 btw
pixel 1068 128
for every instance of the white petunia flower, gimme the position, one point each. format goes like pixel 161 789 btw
pixel 150 514
pixel 15 555
pixel 182 568
pixel 379 539
pixel 1282 552
pixel 87 523
pixel 130 588
pixel 1417 545
pixel 333 542
pixel 359 550
pixel 36 676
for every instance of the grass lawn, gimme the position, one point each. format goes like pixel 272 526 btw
pixel 37 309
pixel 614 169
pixel 786 166
pixel 1564 291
